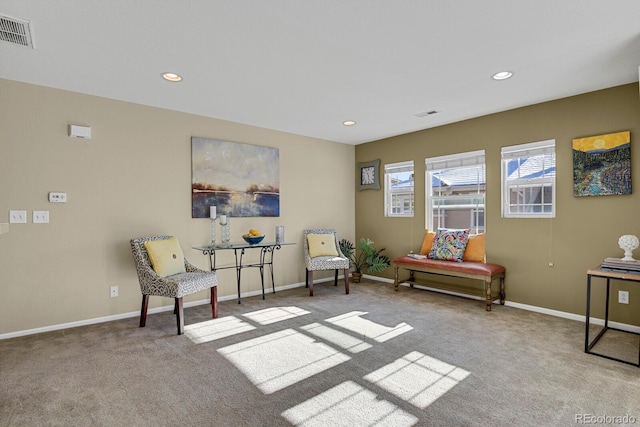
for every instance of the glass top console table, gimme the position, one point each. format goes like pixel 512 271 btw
pixel 266 258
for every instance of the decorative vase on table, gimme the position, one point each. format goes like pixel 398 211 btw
pixel 213 231
pixel 213 217
pixel 226 229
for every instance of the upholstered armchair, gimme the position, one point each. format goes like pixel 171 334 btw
pixel 322 252
pixel 163 271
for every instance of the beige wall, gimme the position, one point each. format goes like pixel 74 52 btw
pixel 585 230
pixel 133 178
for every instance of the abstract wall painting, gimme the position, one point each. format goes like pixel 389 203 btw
pixel 240 180
pixel 602 165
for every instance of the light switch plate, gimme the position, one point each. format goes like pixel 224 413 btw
pixel 41 217
pixel 17 217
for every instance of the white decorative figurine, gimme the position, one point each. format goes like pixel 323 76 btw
pixel 628 243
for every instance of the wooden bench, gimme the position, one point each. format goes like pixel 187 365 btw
pixel 485 272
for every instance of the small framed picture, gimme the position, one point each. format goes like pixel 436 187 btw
pixel 369 175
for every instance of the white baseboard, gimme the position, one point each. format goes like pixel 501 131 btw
pixel 378 279
pixel 536 309
pixel 556 313
pixel 137 313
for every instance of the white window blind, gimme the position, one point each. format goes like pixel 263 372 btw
pixel 455 191
pixel 528 180
pixel 399 189
pixel 451 161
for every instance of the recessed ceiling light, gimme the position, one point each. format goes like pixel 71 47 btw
pixel 349 123
pixel 172 77
pixel 502 75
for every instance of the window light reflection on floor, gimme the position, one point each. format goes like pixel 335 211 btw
pixel 380 333
pixel 342 340
pixel 275 314
pixel 275 361
pixel 343 405
pixel 417 378
pixel 215 329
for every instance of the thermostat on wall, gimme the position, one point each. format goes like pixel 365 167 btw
pixel 57 197
pixel 76 131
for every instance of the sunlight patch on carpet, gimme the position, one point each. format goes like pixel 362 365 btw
pixel 275 361
pixel 344 405
pixel 417 378
pixel 275 314
pixel 380 333
pixel 342 340
pixel 215 329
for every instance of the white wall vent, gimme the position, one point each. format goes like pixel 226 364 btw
pixel 426 113
pixel 14 30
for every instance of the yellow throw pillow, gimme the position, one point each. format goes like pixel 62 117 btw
pixel 322 245
pixel 475 249
pixel 166 256
pixel 428 242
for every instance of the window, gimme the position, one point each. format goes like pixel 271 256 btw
pixel 455 191
pixel 398 189
pixel 529 180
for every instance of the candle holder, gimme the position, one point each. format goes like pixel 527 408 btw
pixel 213 231
pixel 226 230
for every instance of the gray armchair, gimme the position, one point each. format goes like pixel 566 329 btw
pixel 174 286
pixel 328 262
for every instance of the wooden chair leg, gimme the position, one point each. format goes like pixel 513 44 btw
pixel 143 310
pixel 306 278
pixel 310 281
pixel 175 307
pixel 335 280
pixel 180 316
pixel 346 281
pixel 214 302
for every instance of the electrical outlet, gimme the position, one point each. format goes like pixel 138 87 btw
pixel 623 297
pixel 114 291
pixel 17 217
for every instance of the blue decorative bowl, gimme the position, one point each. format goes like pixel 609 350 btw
pixel 253 240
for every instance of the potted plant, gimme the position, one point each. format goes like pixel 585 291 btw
pixel 364 257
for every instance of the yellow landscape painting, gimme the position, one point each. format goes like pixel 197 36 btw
pixel 602 165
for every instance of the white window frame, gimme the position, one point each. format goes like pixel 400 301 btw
pixel 389 170
pixel 474 217
pixel 452 161
pixel 546 150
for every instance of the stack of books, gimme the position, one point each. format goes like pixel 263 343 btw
pixel 616 264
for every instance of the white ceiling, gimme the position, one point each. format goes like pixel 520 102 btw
pixel 305 66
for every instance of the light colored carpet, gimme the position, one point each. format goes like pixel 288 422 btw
pixel 372 358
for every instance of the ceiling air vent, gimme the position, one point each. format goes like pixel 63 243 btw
pixel 426 113
pixel 14 30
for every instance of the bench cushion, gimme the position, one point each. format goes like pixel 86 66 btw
pixel 469 267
